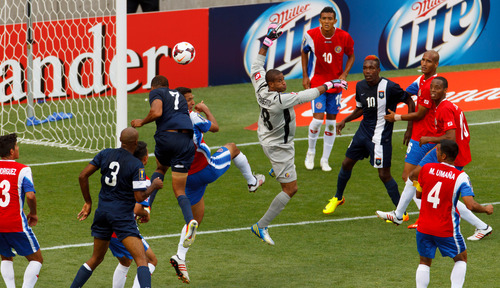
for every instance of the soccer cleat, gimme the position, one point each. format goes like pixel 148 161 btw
pixel 406 217
pixel 190 233
pixel 332 205
pixel 480 233
pixel 180 268
pixel 309 161
pixel 414 225
pixel 324 165
pixel 260 180
pixel 390 216
pixel 262 234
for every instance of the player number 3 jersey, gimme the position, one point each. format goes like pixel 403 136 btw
pixel 15 181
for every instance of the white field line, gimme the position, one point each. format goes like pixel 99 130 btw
pixel 240 145
pixel 240 229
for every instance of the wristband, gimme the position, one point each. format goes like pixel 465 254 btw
pixel 268 42
pixel 397 117
pixel 329 85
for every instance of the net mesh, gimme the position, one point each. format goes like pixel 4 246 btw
pixel 55 81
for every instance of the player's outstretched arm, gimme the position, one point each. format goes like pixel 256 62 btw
pixel 31 201
pixel 273 33
pixel 358 112
pixel 154 113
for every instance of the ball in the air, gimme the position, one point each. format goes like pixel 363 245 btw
pixel 183 53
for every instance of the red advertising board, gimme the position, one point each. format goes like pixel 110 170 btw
pixel 151 34
pixel 74 58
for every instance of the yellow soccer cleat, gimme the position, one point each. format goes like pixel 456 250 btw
pixel 406 217
pixel 332 205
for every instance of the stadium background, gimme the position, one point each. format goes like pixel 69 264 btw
pixel 348 249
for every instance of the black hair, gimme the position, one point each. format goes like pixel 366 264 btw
pixel 272 74
pixel 141 150
pixel 183 90
pixel 328 9
pixel 449 148
pixel 7 142
pixel 159 81
pixel 445 82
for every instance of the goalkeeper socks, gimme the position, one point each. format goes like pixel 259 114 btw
pixel 153 195
pixel 185 205
pixel 423 276
pixel 241 162
pixel 393 191
pixel 405 198
pixel 329 138
pixel 144 276
pixel 470 217
pixel 342 179
pixel 120 276
pixel 7 271
pixel 275 208
pixel 458 274
pixel 314 128
pixel 82 276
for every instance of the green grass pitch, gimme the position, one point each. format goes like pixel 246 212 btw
pixel 350 248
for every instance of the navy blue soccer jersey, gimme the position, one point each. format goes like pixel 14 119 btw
pixel 375 100
pixel 175 114
pixel 122 174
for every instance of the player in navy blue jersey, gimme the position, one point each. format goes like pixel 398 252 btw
pixel 374 96
pixel 174 144
pixel 123 183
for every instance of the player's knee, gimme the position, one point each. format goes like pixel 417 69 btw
pixel 232 149
pixel 151 258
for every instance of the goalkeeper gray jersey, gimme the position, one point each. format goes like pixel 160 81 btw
pixel 276 125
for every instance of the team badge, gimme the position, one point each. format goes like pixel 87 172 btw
pixel 381 94
pixel 338 49
pixel 287 175
pixel 142 174
pixel 450 123
pixel 220 150
pixel 257 76
pixel 319 105
pixel 378 161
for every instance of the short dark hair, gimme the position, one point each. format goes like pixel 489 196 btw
pixel 328 9
pixel 7 142
pixel 159 81
pixel 141 150
pixel 445 82
pixel 272 74
pixel 183 90
pixel 373 58
pixel 449 148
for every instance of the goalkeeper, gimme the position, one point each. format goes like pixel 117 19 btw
pixel 276 127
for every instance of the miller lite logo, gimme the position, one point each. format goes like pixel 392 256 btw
pixel 448 26
pixel 296 18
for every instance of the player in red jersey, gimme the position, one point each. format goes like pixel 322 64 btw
pixel 16 184
pixel 323 52
pixel 421 123
pixel 439 187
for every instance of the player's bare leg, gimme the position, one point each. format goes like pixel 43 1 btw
pixel 136 249
pixel 254 181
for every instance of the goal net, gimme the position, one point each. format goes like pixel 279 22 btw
pixel 58 72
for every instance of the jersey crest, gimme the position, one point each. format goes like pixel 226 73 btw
pixel 338 49
pixel 381 94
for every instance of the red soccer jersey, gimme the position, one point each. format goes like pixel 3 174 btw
pixel 441 185
pixel 425 126
pixel 450 116
pixel 327 57
pixel 15 181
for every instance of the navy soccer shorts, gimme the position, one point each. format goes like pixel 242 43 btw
pixel 175 150
pixel 107 221
pixel 361 147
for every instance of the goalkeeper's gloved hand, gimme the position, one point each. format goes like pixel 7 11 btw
pixel 337 83
pixel 272 34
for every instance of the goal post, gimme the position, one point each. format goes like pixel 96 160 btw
pixel 63 72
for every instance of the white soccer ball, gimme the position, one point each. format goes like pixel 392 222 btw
pixel 183 53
